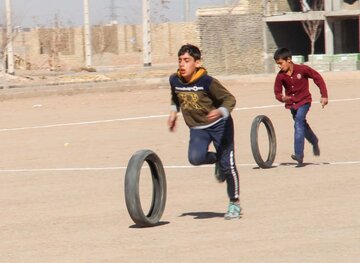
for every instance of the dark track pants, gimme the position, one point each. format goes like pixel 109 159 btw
pixel 222 136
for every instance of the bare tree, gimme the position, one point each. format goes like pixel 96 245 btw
pixel 3 45
pixel 305 6
pixel 55 41
pixel 312 28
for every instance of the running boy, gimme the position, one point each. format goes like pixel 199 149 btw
pixel 295 79
pixel 206 105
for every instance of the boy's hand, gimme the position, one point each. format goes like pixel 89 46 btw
pixel 324 101
pixel 286 98
pixel 172 121
pixel 214 115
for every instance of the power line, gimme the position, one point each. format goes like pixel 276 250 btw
pixel 112 11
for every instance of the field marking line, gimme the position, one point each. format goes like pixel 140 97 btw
pixel 82 123
pixel 144 117
pixel 109 168
pixel 282 105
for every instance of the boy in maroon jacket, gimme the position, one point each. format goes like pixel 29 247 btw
pixel 295 79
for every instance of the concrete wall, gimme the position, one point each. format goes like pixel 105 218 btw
pixel 350 4
pixel 232 39
pixel 232 44
pixel 280 6
pixel 115 45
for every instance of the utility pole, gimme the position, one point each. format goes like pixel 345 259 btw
pixel 9 39
pixel 329 29
pixel 113 13
pixel 186 10
pixel 87 35
pixel 146 33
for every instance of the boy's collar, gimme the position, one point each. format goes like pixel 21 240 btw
pixel 199 72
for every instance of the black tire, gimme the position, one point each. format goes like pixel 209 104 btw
pixel 255 145
pixel 132 196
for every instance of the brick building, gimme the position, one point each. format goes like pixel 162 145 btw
pixel 243 39
pixel 238 39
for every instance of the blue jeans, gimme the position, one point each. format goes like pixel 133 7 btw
pixel 222 136
pixel 302 130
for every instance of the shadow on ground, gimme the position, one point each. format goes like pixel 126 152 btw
pixel 203 215
pixel 295 164
pixel 303 164
pixel 155 225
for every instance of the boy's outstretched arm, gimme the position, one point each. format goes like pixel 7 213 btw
pixel 172 121
pixel 319 81
pixel 324 101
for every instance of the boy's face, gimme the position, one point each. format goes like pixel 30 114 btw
pixel 284 64
pixel 188 66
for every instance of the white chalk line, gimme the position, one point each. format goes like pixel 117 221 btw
pixel 110 168
pixel 282 105
pixel 82 123
pixel 144 117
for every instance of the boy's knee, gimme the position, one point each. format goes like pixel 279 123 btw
pixel 299 124
pixel 196 159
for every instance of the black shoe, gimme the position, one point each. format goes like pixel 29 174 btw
pixel 296 158
pixel 316 149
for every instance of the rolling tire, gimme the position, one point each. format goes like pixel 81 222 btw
pixel 132 196
pixel 255 145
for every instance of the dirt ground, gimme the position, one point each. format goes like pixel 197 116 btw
pixel 63 161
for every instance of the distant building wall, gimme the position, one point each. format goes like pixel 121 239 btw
pixel 232 39
pixel 350 4
pixel 280 6
pixel 232 44
pixel 114 45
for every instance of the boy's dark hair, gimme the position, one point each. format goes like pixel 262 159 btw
pixel 282 53
pixel 193 51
